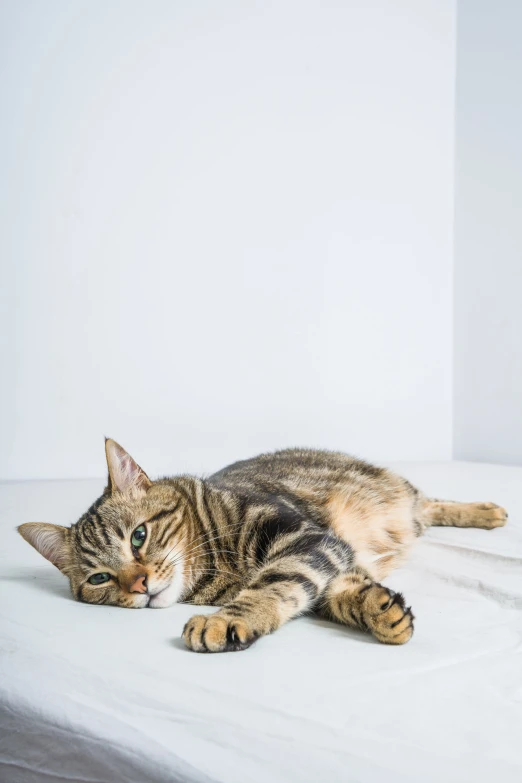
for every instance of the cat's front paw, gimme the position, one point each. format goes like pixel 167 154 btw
pixel 215 633
pixel 386 615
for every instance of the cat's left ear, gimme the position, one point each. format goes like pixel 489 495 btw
pixel 125 475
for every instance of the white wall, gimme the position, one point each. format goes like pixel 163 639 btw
pixel 228 228
pixel 488 249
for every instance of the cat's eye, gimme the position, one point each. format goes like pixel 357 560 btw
pixel 99 579
pixel 139 536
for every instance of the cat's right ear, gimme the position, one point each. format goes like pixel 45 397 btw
pixel 49 540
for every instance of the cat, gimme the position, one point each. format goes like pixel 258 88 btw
pixel 266 539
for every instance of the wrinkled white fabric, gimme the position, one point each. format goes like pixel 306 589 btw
pixel 94 694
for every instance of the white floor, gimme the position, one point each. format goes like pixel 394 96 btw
pixel 102 694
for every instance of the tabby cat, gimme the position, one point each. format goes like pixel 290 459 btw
pixel 266 539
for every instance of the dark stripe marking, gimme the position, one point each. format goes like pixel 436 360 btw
pixel 161 514
pixel 86 550
pixel 269 579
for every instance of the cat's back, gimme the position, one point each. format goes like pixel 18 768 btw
pixel 300 470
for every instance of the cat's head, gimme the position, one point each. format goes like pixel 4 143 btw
pixel 128 548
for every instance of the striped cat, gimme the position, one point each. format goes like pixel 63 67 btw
pixel 266 539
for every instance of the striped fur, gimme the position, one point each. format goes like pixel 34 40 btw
pixel 266 539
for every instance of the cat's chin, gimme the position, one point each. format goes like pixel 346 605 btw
pixel 168 596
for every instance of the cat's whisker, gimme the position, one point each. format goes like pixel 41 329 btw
pixel 204 542
pixel 217 571
pixel 230 529
pixel 183 555
pixel 209 539
pixel 196 548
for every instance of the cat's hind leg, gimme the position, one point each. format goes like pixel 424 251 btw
pixel 445 512
pixel 354 599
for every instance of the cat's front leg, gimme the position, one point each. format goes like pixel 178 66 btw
pixel 279 592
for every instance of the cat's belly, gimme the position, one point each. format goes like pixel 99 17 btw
pixel 380 535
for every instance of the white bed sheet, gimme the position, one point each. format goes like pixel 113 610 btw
pixel 103 694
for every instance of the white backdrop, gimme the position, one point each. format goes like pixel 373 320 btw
pixel 488 248
pixel 228 228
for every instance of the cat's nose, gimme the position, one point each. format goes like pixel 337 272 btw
pixel 140 585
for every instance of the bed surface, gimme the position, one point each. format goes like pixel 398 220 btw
pixel 98 694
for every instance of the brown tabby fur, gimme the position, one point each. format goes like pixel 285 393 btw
pixel 266 539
